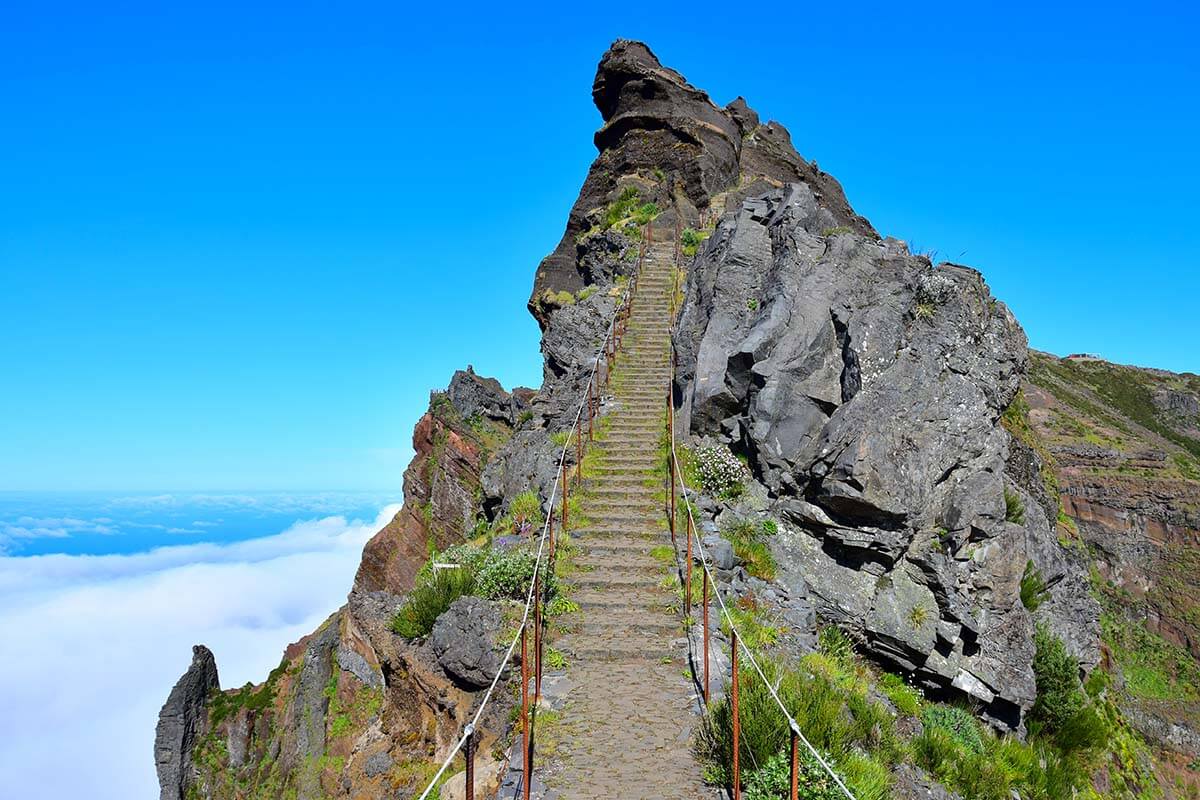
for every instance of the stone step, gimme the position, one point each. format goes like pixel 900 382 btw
pixel 635 650
pixel 648 535
pixel 611 625
pixel 653 600
pixel 624 566
pixel 638 494
pixel 620 545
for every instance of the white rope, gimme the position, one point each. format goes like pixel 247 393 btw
pixel 470 727
pixel 795 727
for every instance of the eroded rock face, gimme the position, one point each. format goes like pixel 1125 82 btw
pixel 671 142
pixel 453 441
pixel 180 723
pixel 865 388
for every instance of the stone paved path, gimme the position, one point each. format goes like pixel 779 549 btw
pixel 626 727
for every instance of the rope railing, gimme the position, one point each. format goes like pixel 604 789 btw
pixel 613 336
pixel 737 642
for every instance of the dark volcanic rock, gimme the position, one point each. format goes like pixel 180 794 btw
pixel 865 386
pixel 462 640
pixel 180 723
pixel 667 139
pixel 472 395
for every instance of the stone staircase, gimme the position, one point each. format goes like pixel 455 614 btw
pixel 626 728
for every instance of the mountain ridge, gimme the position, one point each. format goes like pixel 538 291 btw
pixel 874 398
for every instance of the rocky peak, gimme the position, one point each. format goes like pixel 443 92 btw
pixel 180 723
pixel 668 141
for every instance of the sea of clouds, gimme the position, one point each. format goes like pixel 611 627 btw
pixel 92 644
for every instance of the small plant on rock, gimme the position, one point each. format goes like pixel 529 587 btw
pixel 1014 509
pixel 526 512
pixel 720 473
pixel 1033 587
pixel 918 615
pixel 430 599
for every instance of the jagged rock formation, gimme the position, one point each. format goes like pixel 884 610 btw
pixel 181 722
pixel 666 138
pixel 453 441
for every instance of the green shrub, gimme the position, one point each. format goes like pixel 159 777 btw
pixel 429 599
pixel 719 472
pixel 1059 694
pixel 753 631
pixel 499 574
pixel 526 512
pixel 907 699
pixel 645 213
pixel 773 780
pixel 770 527
pixel 557 299
pixel 1033 587
pixel 586 292
pixel 833 642
pixel 1014 509
pixel 625 204
pixel 690 241
pixel 748 545
pixel 957 723
pixel 835 718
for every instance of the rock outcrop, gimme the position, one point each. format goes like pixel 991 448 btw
pixel 669 141
pixel 181 722
pixel 864 386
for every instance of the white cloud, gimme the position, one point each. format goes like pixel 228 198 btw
pixel 93 644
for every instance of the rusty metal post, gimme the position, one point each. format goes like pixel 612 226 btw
pixel 525 712
pixel 591 415
pixel 564 497
pixel 537 637
pixel 687 591
pixel 795 765
pixel 671 480
pixel 469 755
pixel 578 450
pixel 737 727
pixel 705 637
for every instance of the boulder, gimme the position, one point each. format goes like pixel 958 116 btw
pixel 462 641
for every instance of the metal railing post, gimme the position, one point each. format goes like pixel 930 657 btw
pixel 537 638
pixel 578 450
pixel 469 755
pixel 737 728
pixel 525 711
pixel 564 497
pixel 795 765
pixel 671 478
pixel 705 637
pixel 687 592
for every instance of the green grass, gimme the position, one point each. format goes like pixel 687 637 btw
pixel 625 206
pixel 1014 509
pixel 1033 587
pixel 908 700
pixel 429 599
pixel 749 545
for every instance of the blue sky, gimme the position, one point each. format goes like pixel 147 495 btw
pixel 239 245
